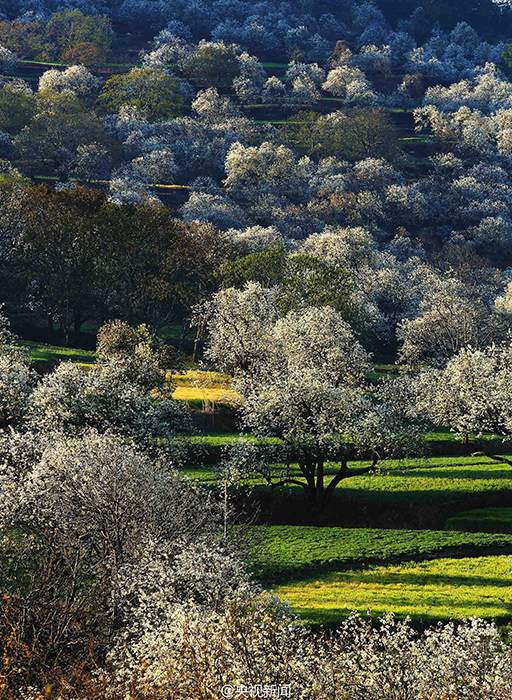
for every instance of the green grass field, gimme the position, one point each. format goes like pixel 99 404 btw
pixel 482 520
pixel 40 352
pixel 435 481
pixel 427 591
pixel 214 439
pixel 289 551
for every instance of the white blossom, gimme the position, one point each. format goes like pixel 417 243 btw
pixel 76 79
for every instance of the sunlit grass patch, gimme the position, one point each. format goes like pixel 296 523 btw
pixel 289 550
pixel 199 472
pixel 440 589
pixel 195 377
pixel 217 439
pixel 208 394
pixel 434 484
pixel 208 387
pixel 41 352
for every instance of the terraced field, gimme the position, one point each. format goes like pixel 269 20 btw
pixel 284 552
pixel 427 591
pixel 324 572
pixel 435 480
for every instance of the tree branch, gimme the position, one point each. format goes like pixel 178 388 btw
pixel 284 482
pixel 343 474
pixel 497 458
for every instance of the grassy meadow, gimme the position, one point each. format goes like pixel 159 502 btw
pixel 427 591
pixel 40 352
pixel 289 551
pixel 427 572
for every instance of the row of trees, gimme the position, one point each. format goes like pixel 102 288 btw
pixel 272 29
pixel 118 583
pixel 69 36
pixel 72 256
pixel 266 182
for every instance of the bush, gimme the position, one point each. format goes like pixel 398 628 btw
pixel 71 400
pixel 75 514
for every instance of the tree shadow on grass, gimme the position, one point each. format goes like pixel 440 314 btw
pixel 443 591
pixel 409 578
pixel 504 473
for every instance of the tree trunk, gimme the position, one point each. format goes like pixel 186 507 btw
pixel 184 326
pixel 320 484
pixel 65 327
pixel 196 344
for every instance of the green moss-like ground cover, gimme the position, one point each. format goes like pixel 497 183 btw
pixel 482 520
pixel 288 551
pixel 214 438
pixel 428 591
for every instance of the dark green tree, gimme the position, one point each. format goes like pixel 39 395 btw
pixel 150 90
pixel 302 280
pixel 16 110
pixel 507 56
pixel 214 66
pixel 350 135
pixel 60 125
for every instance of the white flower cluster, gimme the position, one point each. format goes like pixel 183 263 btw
pixel 75 79
pixel 253 642
pixel 472 393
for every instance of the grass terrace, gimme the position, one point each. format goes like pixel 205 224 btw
pixel 427 591
pixel 285 552
pixel 482 520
